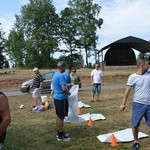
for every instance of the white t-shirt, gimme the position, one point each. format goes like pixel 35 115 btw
pixel 97 75
pixel 141 87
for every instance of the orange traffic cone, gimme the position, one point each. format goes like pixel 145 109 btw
pixel 90 122
pixel 79 111
pixel 113 140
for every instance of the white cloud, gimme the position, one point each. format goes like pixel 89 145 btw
pixel 124 18
pixel 121 18
pixel 7 22
pixel 7 19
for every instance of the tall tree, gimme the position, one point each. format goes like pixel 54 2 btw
pixel 68 33
pixel 15 45
pixel 2 57
pixel 41 29
pixel 39 26
pixel 86 16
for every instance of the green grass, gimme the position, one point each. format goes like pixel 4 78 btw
pixel 30 130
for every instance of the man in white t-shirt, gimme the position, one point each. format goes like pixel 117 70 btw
pixel 96 79
pixel 140 83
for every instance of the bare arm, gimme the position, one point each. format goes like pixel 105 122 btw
pixel 41 85
pixel 4 114
pixel 64 88
pixel 102 78
pixel 125 96
pixel 91 79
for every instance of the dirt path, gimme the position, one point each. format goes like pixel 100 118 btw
pixel 105 87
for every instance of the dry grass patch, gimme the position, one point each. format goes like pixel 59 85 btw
pixel 29 130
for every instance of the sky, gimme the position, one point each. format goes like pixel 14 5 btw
pixel 121 18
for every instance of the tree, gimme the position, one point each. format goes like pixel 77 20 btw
pixel 77 60
pixel 68 33
pixel 2 57
pixel 38 27
pixel 15 46
pixel 87 20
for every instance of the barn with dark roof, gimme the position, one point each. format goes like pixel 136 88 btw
pixel 120 53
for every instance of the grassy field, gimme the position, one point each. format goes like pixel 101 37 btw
pixel 30 130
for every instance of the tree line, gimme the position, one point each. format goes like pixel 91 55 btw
pixel 39 31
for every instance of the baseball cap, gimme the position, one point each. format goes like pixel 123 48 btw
pixel 60 63
pixel 35 69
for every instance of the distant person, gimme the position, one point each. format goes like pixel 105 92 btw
pixel 96 79
pixel 77 78
pixel 37 86
pixel 5 118
pixel 67 76
pixel 140 83
pixel 60 95
pixel 72 76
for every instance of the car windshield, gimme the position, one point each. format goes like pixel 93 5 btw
pixel 48 75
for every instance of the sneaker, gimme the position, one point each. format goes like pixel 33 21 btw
pixel 135 146
pixel 63 138
pixel 98 100
pixel 65 133
pixel 33 106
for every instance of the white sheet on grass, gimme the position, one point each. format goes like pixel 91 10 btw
pixel 73 106
pixel 93 116
pixel 80 104
pixel 121 136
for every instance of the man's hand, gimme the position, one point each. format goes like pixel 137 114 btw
pixel 69 93
pixel 31 86
pixel 122 107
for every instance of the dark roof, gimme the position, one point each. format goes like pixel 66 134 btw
pixel 140 45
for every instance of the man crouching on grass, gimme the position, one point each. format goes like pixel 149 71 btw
pixel 60 95
pixel 140 82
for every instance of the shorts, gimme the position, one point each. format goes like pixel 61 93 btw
pixel 96 87
pixel 36 93
pixel 61 107
pixel 139 111
pixel 2 137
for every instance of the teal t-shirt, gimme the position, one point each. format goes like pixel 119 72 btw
pixel 58 81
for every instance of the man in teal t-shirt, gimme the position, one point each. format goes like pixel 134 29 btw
pixel 60 100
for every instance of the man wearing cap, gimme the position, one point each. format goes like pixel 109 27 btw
pixel 60 100
pixel 37 86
